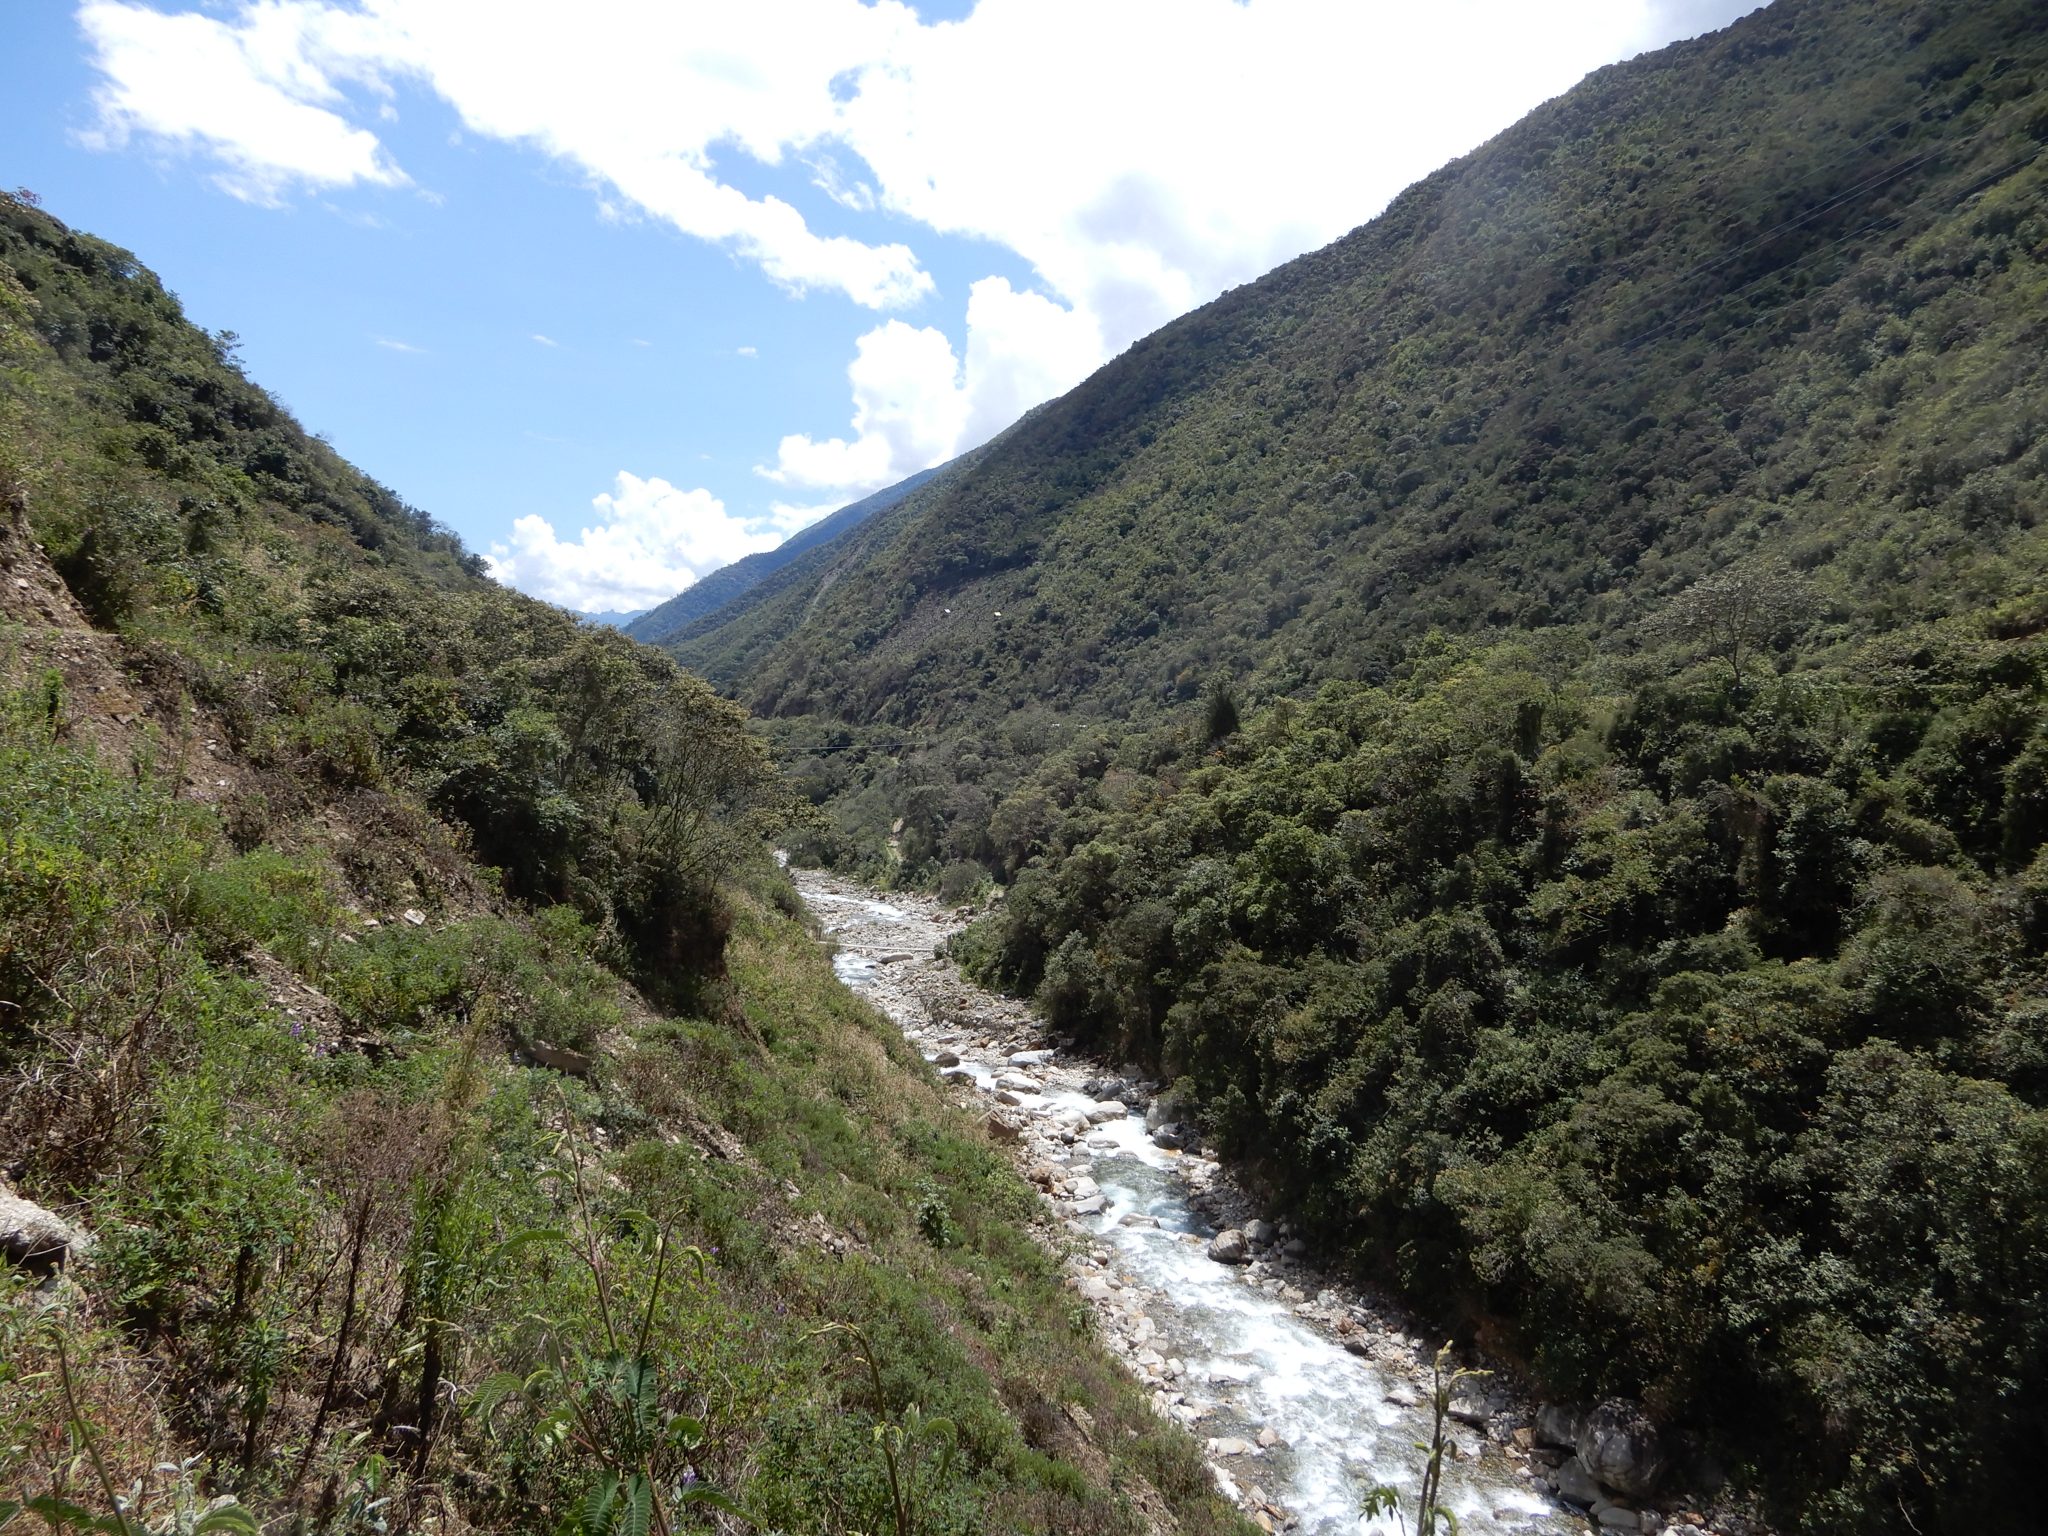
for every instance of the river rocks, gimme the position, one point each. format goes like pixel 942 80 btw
pixel 1088 1205
pixel 1000 1129
pixel 1229 1247
pixel 1259 1233
pixel 1030 1058
pixel 1017 1082
pixel 1081 1187
pixel 1575 1484
pixel 1104 1110
pixel 946 1059
pixel 35 1239
pixel 1616 1517
pixel 1618 1444
pixel 1557 1425
pixel 1169 1136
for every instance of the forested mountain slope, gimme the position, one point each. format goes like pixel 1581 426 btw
pixel 405 1031
pixel 1777 288
pixel 1536 716
pixel 728 583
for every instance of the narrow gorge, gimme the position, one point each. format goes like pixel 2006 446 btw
pixel 1305 1393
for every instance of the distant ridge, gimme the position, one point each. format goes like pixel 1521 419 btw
pixel 723 585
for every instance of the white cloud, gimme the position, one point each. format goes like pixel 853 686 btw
pixel 247 97
pixel 651 540
pixel 546 341
pixel 748 351
pixel 393 344
pixel 636 94
pixel 915 404
pixel 1137 156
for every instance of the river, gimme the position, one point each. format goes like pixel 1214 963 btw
pixel 1304 1400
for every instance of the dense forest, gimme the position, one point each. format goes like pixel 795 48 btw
pixel 1536 717
pixel 445 1119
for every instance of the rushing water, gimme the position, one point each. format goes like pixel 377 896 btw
pixel 1247 1361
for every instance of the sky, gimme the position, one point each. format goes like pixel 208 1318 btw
pixel 624 290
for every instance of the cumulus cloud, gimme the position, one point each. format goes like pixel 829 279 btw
pixel 650 541
pixel 916 403
pixel 247 97
pixel 636 94
pixel 1137 156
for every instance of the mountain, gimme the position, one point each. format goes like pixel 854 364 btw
pixel 1774 288
pixel 1535 719
pixel 613 618
pixel 729 583
pixel 442 1112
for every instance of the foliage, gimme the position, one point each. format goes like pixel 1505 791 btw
pixel 1445 1379
pixel 1617 1013
pixel 316 851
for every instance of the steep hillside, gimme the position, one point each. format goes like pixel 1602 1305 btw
pixel 412 1060
pixel 1780 288
pixel 1536 718
pixel 729 583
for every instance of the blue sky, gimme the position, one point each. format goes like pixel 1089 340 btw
pixel 624 289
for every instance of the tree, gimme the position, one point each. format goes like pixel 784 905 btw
pixel 1734 613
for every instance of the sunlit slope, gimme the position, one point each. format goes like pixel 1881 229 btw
pixel 1779 287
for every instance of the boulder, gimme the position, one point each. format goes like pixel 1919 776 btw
pixel 1167 1136
pixel 1259 1233
pixel 1229 1247
pixel 1294 1248
pixel 569 1063
pixel 1558 1425
pixel 1030 1058
pixel 1000 1129
pixel 1619 1445
pixel 1017 1082
pixel 946 1059
pixel 35 1239
pixel 1107 1109
pixel 1575 1485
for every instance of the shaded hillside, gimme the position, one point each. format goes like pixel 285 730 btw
pixel 725 585
pixel 1777 288
pixel 395 988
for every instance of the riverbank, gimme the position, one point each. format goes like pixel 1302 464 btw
pixel 1305 1389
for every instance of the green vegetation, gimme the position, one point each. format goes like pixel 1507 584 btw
pixel 316 850
pixel 1534 714
pixel 1687 1036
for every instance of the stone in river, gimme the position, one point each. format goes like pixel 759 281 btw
pixel 1017 1082
pixel 1107 1109
pixel 1259 1233
pixel 1575 1484
pixel 1090 1206
pixel 1229 1247
pixel 1619 1445
pixel 946 1059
